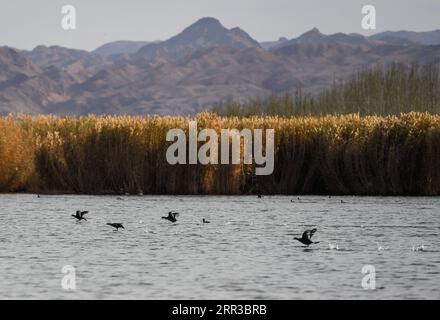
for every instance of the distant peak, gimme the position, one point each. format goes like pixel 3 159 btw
pixel 44 47
pixel 207 21
pixel 205 24
pixel 237 29
pixel 40 47
pixel 311 36
pixel 313 31
pixel 203 27
pixel 9 50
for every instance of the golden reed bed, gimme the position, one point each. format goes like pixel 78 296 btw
pixel 396 155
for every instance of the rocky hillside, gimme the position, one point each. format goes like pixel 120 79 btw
pixel 204 64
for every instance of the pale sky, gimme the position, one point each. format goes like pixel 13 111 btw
pixel 25 24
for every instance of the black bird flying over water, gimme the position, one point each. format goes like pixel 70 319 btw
pixel 307 237
pixel 171 216
pixel 79 215
pixel 206 221
pixel 116 225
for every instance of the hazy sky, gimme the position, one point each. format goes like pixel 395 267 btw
pixel 25 24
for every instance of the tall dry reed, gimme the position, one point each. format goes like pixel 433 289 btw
pixel 16 156
pixel 351 154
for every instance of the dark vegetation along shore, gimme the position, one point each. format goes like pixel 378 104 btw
pixel 394 155
pixel 370 149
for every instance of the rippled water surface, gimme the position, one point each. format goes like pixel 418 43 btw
pixel 246 252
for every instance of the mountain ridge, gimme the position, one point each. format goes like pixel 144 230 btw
pixel 204 33
pixel 190 72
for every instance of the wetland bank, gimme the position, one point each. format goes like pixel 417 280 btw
pixel 377 134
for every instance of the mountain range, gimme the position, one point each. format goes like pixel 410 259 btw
pixel 205 64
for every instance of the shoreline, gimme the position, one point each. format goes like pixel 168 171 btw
pixel 218 195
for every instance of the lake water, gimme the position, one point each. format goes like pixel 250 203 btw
pixel 246 252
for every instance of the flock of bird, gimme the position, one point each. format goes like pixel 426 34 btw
pixel 172 216
pixel 306 238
